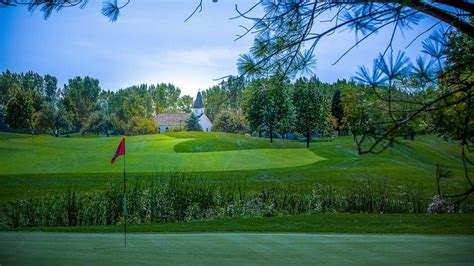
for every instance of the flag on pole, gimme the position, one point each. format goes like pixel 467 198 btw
pixel 120 150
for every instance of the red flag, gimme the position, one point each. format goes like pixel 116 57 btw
pixel 120 150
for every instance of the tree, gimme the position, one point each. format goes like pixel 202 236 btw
pixel 233 89
pixel 407 94
pixel 337 109
pixel 43 120
pixel 141 126
pixel 229 94
pixel 33 83
pixel 192 124
pixel 269 106
pixel 215 100
pixel 454 115
pixel 7 82
pixel 165 97
pixel 185 103
pixel 309 106
pixel 287 33
pixel 99 121
pixel 20 109
pixel 51 88
pixel 307 10
pixel 63 119
pixel 230 121
pixel 81 94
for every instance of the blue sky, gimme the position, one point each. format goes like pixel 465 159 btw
pixel 150 43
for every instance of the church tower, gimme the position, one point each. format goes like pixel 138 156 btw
pixel 198 107
pixel 198 110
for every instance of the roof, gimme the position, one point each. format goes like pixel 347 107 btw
pixel 172 119
pixel 198 102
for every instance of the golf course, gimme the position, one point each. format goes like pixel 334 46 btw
pixel 39 167
pixel 31 164
pixel 276 132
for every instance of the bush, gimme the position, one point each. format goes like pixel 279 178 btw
pixel 142 126
pixel 230 121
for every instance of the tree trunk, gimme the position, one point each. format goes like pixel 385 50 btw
pixel 271 135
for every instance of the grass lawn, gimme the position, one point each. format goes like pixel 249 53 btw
pixel 317 223
pixel 46 163
pixel 233 248
pixel 151 153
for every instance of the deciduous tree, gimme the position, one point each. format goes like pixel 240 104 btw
pixel 20 109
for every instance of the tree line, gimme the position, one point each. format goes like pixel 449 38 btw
pixel 32 103
pixel 266 107
pixel 277 107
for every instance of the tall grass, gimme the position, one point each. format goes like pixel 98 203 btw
pixel 184 199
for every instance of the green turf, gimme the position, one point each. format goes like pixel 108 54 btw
pixel 233 249
pixel 318 223
pixel 151 153
pixel 209 142
pixel 43 163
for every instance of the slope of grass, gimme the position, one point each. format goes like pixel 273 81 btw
pixel 228 142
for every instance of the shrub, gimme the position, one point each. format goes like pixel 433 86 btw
pixel 230 121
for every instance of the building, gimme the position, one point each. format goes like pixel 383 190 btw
pixel 198 110
pixel 177 121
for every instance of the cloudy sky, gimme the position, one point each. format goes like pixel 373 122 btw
pixel 151 43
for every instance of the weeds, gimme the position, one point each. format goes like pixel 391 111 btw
pixel 185 199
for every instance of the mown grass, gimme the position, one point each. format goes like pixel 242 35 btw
pixel 151 153
pixel 317 223
pixel 228 142
pixel 42 164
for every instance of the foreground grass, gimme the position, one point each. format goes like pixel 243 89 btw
pixel 19 248
pixel 318 223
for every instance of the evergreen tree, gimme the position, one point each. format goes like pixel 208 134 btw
pixel 193 123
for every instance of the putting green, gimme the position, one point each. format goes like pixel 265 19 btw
pixel 232 249
pixel 152 153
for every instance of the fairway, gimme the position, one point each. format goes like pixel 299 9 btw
pixel 233 249
pixel 21 154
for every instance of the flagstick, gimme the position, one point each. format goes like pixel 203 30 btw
pixel 125 199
